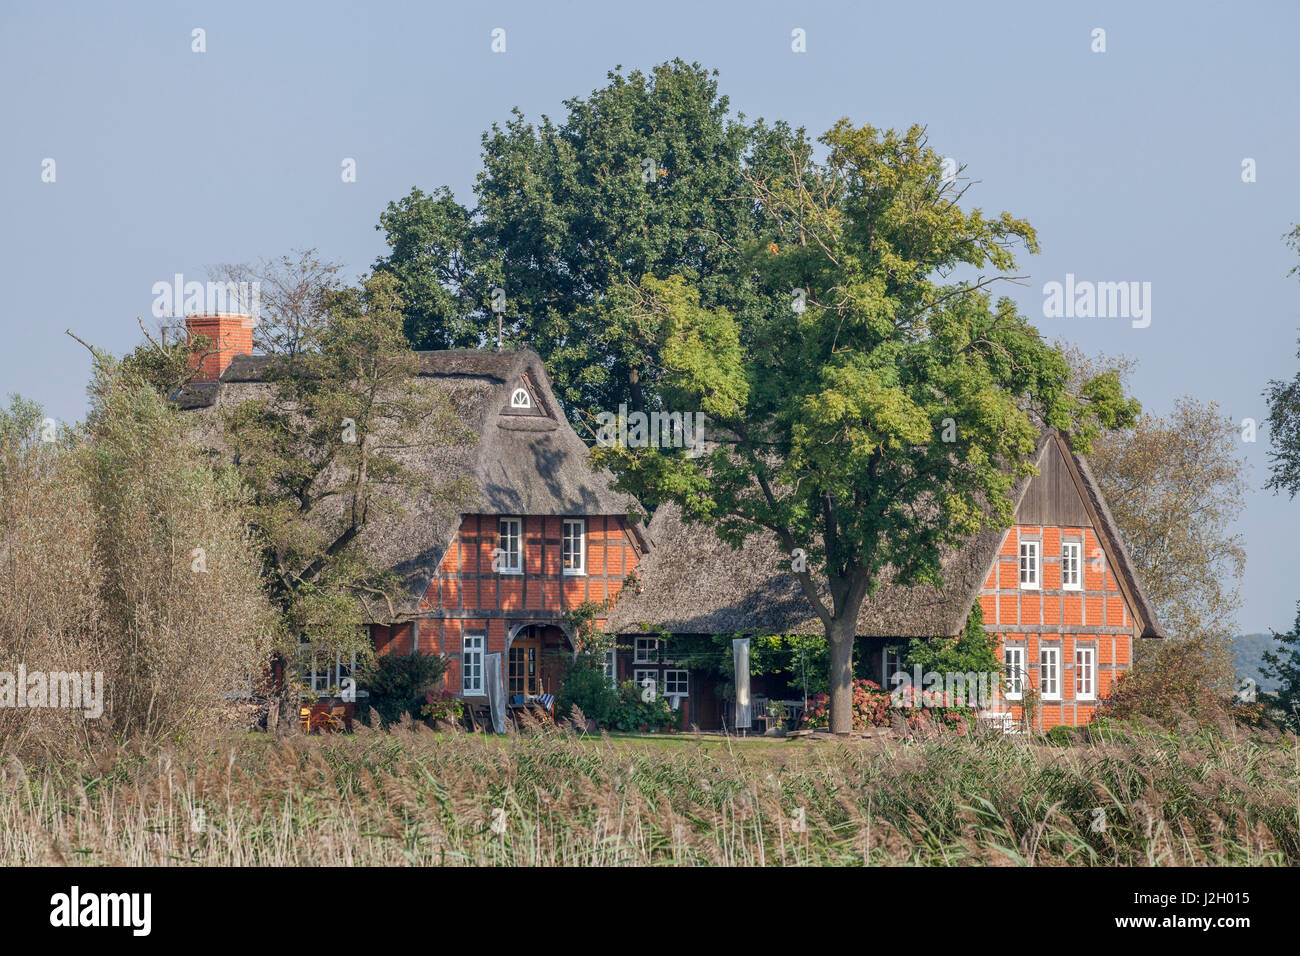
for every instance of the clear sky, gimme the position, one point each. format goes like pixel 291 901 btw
pixel 1128 162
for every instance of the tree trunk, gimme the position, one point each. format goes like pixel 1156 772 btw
pixel 285 703
pixel 840 635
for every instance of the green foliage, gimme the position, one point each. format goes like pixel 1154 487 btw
pixel 799 660
pixel 581 623
pixel 434 254
pixel 1062 736
pixel 632 713
pixel 886 420
pixel 1179 681
pixel 166 366
pixel 324 452
pixel 587 688
pixel 1283 399
pixel 621 708
pixel 644 176
pixel 1283 667
pixel 398 683
pixel 974 650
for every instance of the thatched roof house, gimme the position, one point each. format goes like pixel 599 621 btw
pixel 527 460
pixel 693 583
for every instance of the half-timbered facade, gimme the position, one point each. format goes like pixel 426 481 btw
pixel 490 586
pixel 1057 589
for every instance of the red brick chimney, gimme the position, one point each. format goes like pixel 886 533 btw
pixel 229 334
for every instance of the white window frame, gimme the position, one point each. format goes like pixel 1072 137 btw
pixel 611 667
pixel 580 568
pixel 473 646
pixel 1013 671
pixel 638 676
pixel 1072 561
pixel 1085 671
pixel 891 663
pixel 1049 664
pixel 642 642
pixel 508 566
pixel 1030 560
pixel 520 398
pixel 680 677
pixel 331 678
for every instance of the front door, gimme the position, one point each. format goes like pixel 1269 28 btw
pixel 523 671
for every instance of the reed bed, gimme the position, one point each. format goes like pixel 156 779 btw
pixel 415 797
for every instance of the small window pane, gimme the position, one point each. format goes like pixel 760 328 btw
pixel 574 546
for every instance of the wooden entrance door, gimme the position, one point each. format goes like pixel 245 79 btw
pixel 524 665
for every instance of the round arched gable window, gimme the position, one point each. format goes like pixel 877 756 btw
pixel 521 399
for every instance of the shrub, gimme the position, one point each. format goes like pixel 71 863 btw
pixel 399 683
pixel 874 707
pixel 442 706
pixel 870 707
pixel 1062 736
pixel 587 687
pixel 1179 679
pixel 973 650
pixel 631 712
pixel 126 554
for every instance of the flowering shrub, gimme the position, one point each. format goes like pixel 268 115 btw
pixel 442 705
pixel 870 707
pixel 874 707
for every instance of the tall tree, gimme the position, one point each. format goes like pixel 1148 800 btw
pixel 1283 666
pixel 644 176
pixel 1284 416
pixel 125 553
pixel 327 451
pixel 881 413
pixel 1176 484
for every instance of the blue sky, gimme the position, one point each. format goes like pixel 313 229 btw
pixel 1127 162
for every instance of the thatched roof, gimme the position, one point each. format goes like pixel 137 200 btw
pixel 693 583
pixel 522 464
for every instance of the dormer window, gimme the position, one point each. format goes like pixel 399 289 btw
pixel 521 399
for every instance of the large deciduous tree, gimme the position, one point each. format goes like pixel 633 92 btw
pixel 882 412
pixel 326 451
pixel 1176 484
pixel 643 177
